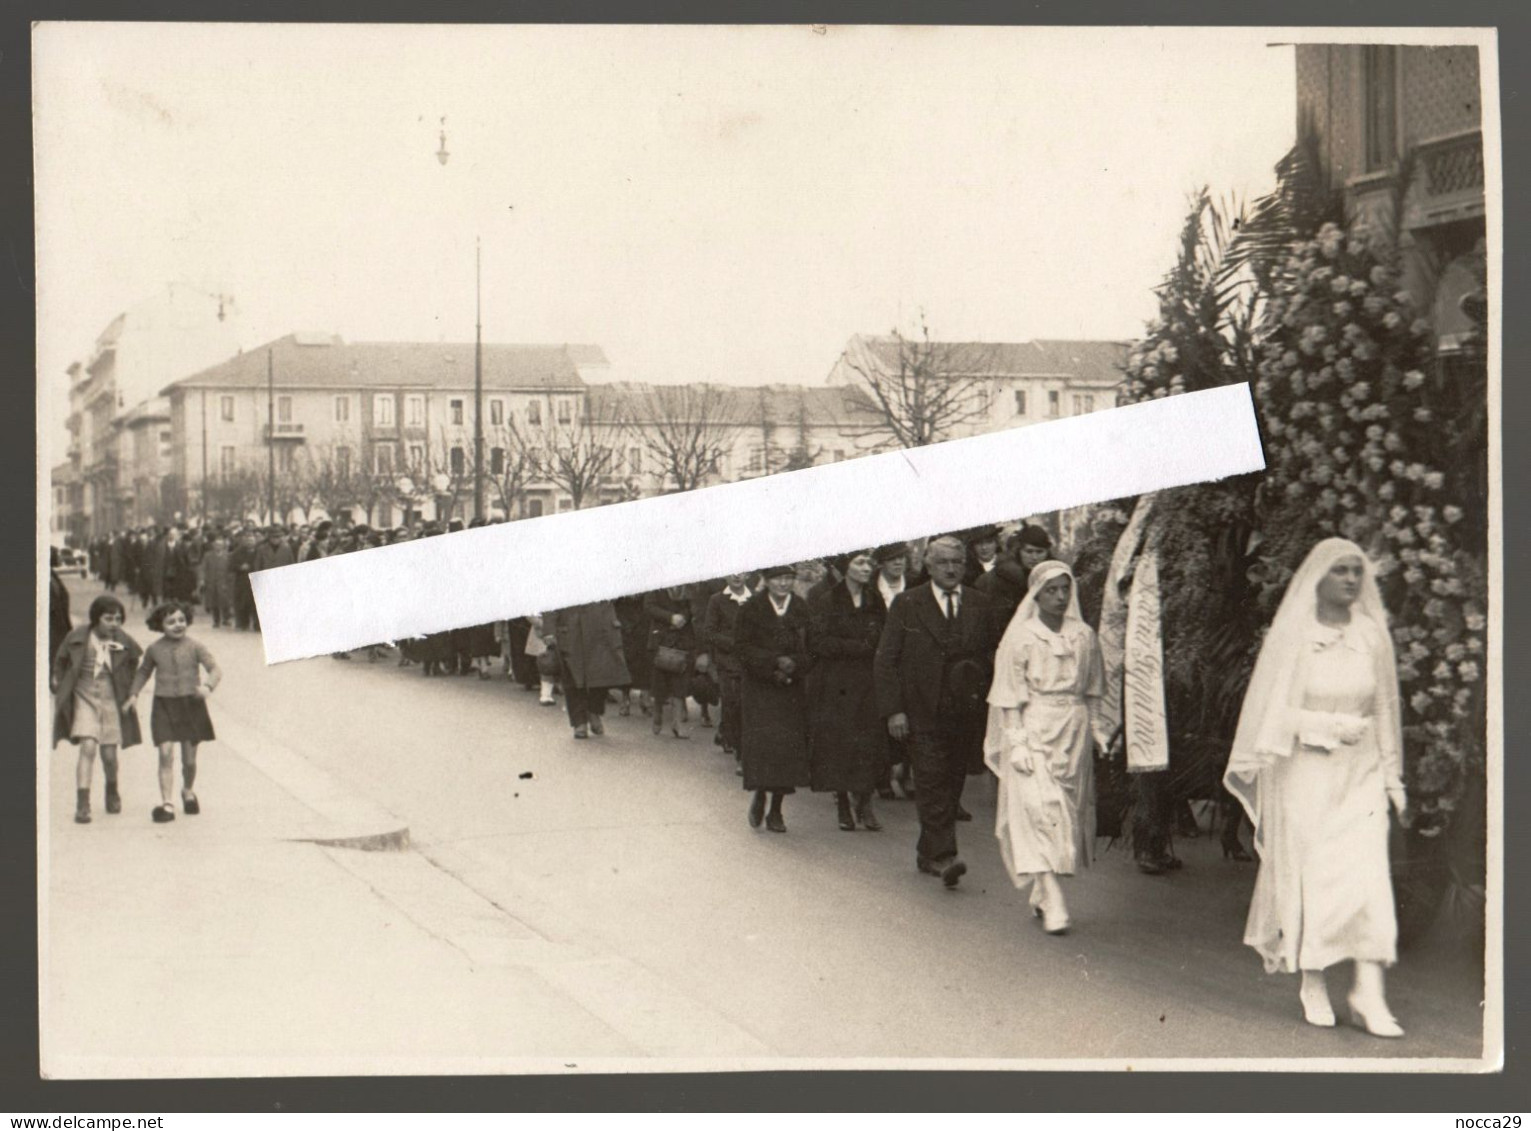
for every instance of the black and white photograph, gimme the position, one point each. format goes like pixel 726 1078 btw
pixel 1078 790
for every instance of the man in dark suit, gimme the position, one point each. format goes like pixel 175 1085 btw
pixel 932 672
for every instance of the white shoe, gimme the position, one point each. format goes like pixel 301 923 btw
pixel 1316 1008
pixel 1373 1016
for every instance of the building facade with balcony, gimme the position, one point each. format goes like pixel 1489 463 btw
pixel 383 429
pixel 1399 131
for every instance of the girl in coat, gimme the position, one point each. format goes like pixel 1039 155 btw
pixel 1048 679
pixel 91 680
pixel 1316 762
pixel 181 688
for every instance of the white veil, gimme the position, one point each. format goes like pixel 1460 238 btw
pixel 1269 718
pixel 1007 689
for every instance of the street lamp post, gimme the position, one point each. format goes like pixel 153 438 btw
pixel 478 381
pixel 270 437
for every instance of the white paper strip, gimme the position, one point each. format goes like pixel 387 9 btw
pixel 512 569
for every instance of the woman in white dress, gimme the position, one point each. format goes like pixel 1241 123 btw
pixel 1317 760
pixel 1048 678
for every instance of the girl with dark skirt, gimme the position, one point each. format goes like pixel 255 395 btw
pixel 91 676
pixel 180 701
pixel 772 639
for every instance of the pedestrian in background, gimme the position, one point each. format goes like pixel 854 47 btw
pixel 242 564
pixel 218 580
pixel 672 653
pixel 720 638
pixel 91 680
pixel 1317 761
pixel 848 741
pixel 588 643
pixel 185 674
pixel 772 640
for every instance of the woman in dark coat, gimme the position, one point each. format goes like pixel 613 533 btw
pixel 116 562
pixel 91 676
pixel 218 581
pixel 670 627
pixel 719 639
pixel 635 649
pixel 589 642
pixel 849 739
pixel 772 641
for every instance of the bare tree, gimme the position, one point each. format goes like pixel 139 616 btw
pixel 234 495
pixel 577 455
pixel 803 452
pixel 333 482
pixel 684 429
pixel 445 462
pixel 512 470
pixel 921 391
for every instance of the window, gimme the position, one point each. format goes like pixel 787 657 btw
pixel 757 461
pixel 496 411
pixel 1379 75
pixel 414 411
pixel 342 409
pixel 284 410
pixel 496 461
pixel 565 505
pixel 455 406
pixel 635 461
pixel 533 413
pixel 534 508
pixel 382 457
pixel 1020 402
pixel 1052 402
pixel 416 456
pixel 382 411
pixel 284 457
pixel 457 461
pixel 385 513
pixel 343 463
pixel 1083 403
pixel 1089 402
pixel 226 408
pixel 565 412
pixel 226 462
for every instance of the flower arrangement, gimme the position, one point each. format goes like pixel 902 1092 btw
pixel 1356 411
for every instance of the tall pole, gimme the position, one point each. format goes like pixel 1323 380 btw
pixel 270 438
pixel 478 380
pixel 204 457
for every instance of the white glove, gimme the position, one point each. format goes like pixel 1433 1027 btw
pixel 1399 801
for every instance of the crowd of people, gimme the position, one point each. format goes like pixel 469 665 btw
pixel 912 666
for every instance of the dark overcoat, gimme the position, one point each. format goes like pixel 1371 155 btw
pixel 848 737
pixel 720 632
pixel 635 637
pixel 1005 586
pixel 151 575
pixel 69 664
pixel 773 741
pixel 589 641
pixel 217 581
pixel 916 658
pixel 659 606
pixel 59 624
pixel 116 562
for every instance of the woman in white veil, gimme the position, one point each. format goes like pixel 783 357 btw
pixel 1316 762
pixel 1048 678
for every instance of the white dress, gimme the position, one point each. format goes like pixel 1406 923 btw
pixel 1323 894
pixel 1045 820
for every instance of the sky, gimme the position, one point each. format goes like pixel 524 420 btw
pixel 705 203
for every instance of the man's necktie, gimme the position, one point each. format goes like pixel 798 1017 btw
pixel 951 605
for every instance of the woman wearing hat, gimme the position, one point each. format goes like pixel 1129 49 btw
pixel 772 641
pixel 848 740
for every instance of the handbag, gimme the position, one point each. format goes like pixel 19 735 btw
pixel 672 660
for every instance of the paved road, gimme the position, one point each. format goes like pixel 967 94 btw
pixel 622 874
